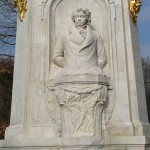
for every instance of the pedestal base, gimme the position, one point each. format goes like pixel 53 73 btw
pixel 83 143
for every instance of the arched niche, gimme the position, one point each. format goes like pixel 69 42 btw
pixel 60 20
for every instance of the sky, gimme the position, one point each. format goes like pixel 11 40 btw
pixel 144 28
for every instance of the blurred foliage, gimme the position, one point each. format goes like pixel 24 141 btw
pixel 3 126
pixel 146 74
pixel 6 80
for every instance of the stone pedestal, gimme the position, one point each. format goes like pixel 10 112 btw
pixel 82 102
pixel 35 120
pixel 85 143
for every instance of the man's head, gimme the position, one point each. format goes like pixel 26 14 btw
pixel 81 17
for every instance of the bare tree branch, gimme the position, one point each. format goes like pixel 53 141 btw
pixel 6 55
pixel 146 73
pixel 8 23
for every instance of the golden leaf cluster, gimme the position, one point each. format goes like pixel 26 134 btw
pixel 135 6
pixel 21 5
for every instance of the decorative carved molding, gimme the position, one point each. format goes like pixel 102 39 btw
pixel 21 5
pixel 134 9
pixel 82 109
pixel 42 4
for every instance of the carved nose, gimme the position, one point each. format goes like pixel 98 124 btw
pixel 79 18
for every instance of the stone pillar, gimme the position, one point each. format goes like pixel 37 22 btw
pixel 36 106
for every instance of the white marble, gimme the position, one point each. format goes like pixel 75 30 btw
pixel 126 143
pixel 80 53
pixel 35 119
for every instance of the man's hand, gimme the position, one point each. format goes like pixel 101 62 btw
pixel 59 61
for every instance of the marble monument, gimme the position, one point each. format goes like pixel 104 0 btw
pixel 78 82
pixel 81 54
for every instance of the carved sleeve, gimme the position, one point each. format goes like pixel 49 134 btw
pixel 102 58
pixel 58 55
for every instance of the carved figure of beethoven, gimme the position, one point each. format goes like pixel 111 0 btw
pixel 80 50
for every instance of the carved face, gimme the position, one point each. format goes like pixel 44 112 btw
pixel 80 19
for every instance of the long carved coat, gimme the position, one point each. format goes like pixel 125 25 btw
pixel 77 55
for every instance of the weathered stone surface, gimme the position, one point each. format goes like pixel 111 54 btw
pixel 41 88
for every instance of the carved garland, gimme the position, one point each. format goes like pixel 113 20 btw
pixel 21 5
pixel 134 9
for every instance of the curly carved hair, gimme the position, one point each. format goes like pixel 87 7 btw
pixel 85 11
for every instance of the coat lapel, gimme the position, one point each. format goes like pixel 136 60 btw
pixel 89 39
pixel 75 36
